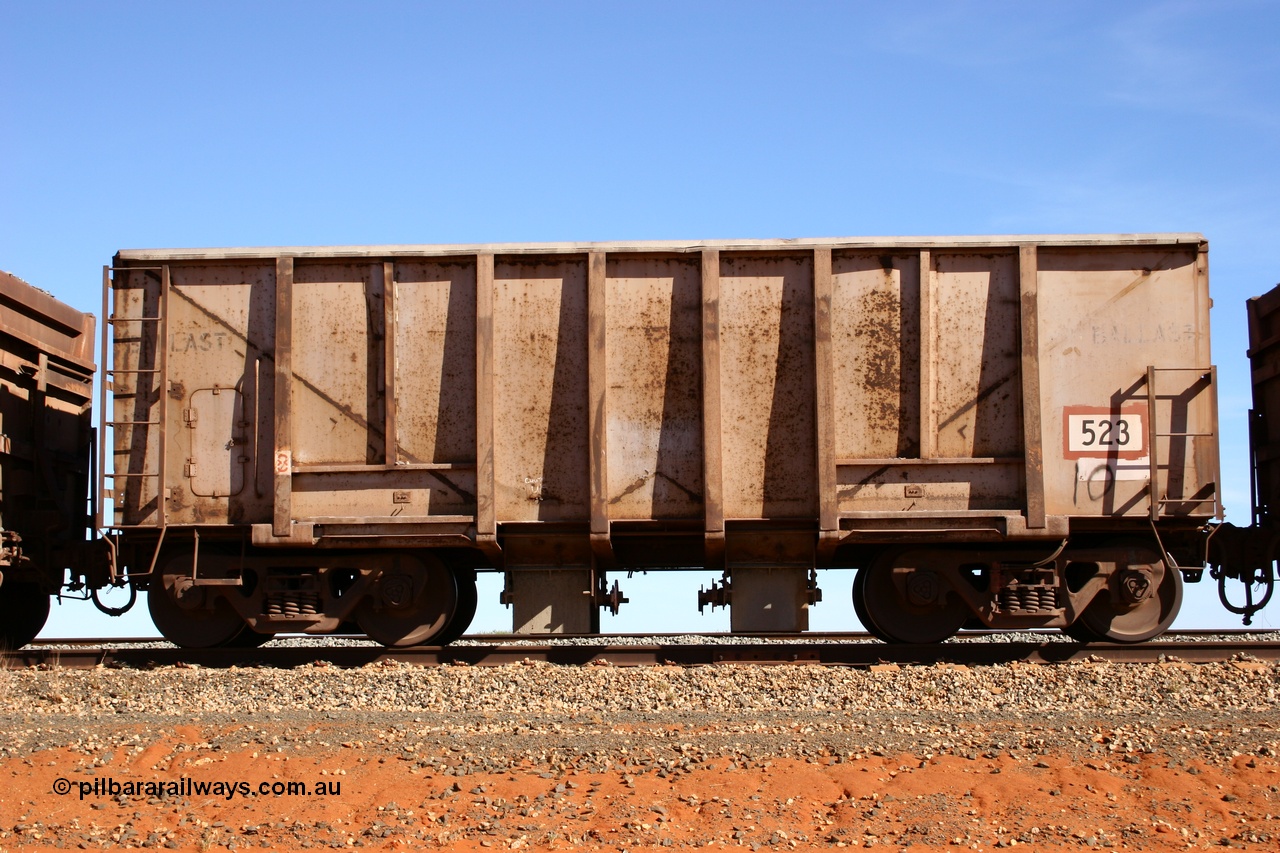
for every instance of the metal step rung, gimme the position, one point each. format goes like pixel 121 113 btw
pixel 112 337
pixel 1156 506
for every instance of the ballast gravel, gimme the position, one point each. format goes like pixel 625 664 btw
pixel 547 689
pixel 858 705
pixel 543 756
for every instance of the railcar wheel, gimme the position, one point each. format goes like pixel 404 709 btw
pixel 911 604
pixel 24 608
pixel 1140 602
pixel 468 600
pixel 412 603
pixel 179 611
pixel 860 606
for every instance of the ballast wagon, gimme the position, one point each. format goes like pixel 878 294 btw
pixel 1010 432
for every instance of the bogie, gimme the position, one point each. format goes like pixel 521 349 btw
pixel 220 597
pixel 1117 591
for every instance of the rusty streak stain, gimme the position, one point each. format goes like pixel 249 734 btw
pixel 1163 265
pixel 468 496
pixel 978 398
pixel 220 321
pixel 696 497
pixel 631 489
pixel 866 481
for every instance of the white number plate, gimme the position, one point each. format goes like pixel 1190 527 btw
pixel 1098 431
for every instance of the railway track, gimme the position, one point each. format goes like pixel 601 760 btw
pixel 856 650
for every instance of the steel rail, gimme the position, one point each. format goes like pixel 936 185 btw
pixel 851 654
pixel 1189 634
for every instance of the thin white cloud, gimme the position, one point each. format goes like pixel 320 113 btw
pixel 974 34
pixel 1187 57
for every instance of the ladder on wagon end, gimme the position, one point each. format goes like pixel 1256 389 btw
pixel 1158 500
pixel 1156 507
pixel 157 415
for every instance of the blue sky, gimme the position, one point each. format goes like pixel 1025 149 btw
pixel 129 125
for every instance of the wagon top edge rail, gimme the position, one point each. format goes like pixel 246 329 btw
pixel 901 242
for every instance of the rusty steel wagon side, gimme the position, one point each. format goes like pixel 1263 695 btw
pixel 46 387
pixel 1005 431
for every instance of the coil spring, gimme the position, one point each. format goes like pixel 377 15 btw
pixel 294 602
pixel 1027 599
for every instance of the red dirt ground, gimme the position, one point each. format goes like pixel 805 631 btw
pixel 387 801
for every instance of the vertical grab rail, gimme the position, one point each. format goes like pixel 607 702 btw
pixel 1153 456
pixel 103 492
pixel 162 341
pixel 161 370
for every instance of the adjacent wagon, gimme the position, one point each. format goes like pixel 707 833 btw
pixel 46 439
